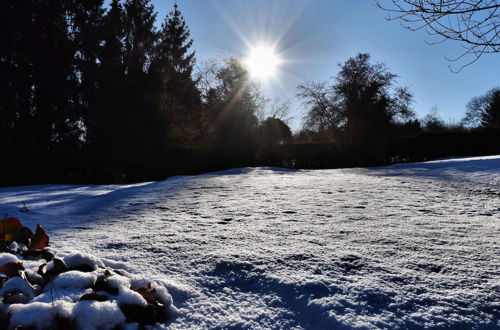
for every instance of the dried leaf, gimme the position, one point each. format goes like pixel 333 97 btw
pixel 9 228
pixel 12 269
pixel 40 240
pixel 147 293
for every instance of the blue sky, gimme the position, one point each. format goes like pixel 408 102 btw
pixel 313 36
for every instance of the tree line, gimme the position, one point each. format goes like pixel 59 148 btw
pixel 368 119
pixel 92 90
pixel 102 93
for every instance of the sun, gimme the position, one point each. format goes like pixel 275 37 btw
pixel 262 62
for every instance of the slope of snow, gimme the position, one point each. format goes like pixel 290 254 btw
pixel 404 246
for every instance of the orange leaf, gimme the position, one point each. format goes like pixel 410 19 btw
pixel 40 240
pixel 11 269
pixel 9 228
pixel 147 293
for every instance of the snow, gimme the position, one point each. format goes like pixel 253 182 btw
pixel 38 314
pixel 5 258
pixel 60 299
pixel 404 246
pixel 75 279
pixel 97 315
pixel 17 284
pixel 77 259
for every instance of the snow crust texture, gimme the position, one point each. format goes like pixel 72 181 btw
pixel 405 246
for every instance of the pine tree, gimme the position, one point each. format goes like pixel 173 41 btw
pixel 16 95
pixel 112 52
pixel 103 126
pixel 39 86
pixel 174 63
pixel 140 125
pixel 86 25
pixel 55 120
pixel 140 35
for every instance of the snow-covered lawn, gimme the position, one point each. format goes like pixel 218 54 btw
pixel 405 246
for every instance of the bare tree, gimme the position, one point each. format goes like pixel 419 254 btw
pixel 473 23
pixel 433 121
pixel 275 108
pixel 362 101
pixel 484 110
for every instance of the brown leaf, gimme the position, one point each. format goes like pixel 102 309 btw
pixel 12 269
pixel 40 240
pixel 9 228
pixel 147 293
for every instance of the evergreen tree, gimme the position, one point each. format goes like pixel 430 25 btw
pixel 113 33
pixel 174 64
pixel 140 36
pixel 39 86
pixel 103 126
pixel 16 77
pixel 55 120
pixel 86 25
pixel 141 125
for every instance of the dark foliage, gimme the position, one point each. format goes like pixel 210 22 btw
pixel 484 111
pixel 86 90
pixel 360 108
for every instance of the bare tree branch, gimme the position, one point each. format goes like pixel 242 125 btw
pixel 473 23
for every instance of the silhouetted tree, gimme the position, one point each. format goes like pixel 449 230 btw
pixel 85 29
pixel 273 131
pixel 411 127
pixel 103 125
pixel 484 111
pixel 174 62
pixel 275 108
pixel 433 121
pixel 52 119
pixel 16 74
pixel 140 36
pixel 475 24
pixel 232 103
pixel 39 99
pixel 141 125
pixel 360 107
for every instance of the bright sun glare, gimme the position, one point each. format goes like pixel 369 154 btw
pixel 262 62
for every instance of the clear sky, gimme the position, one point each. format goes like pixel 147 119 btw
pixel 314 36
